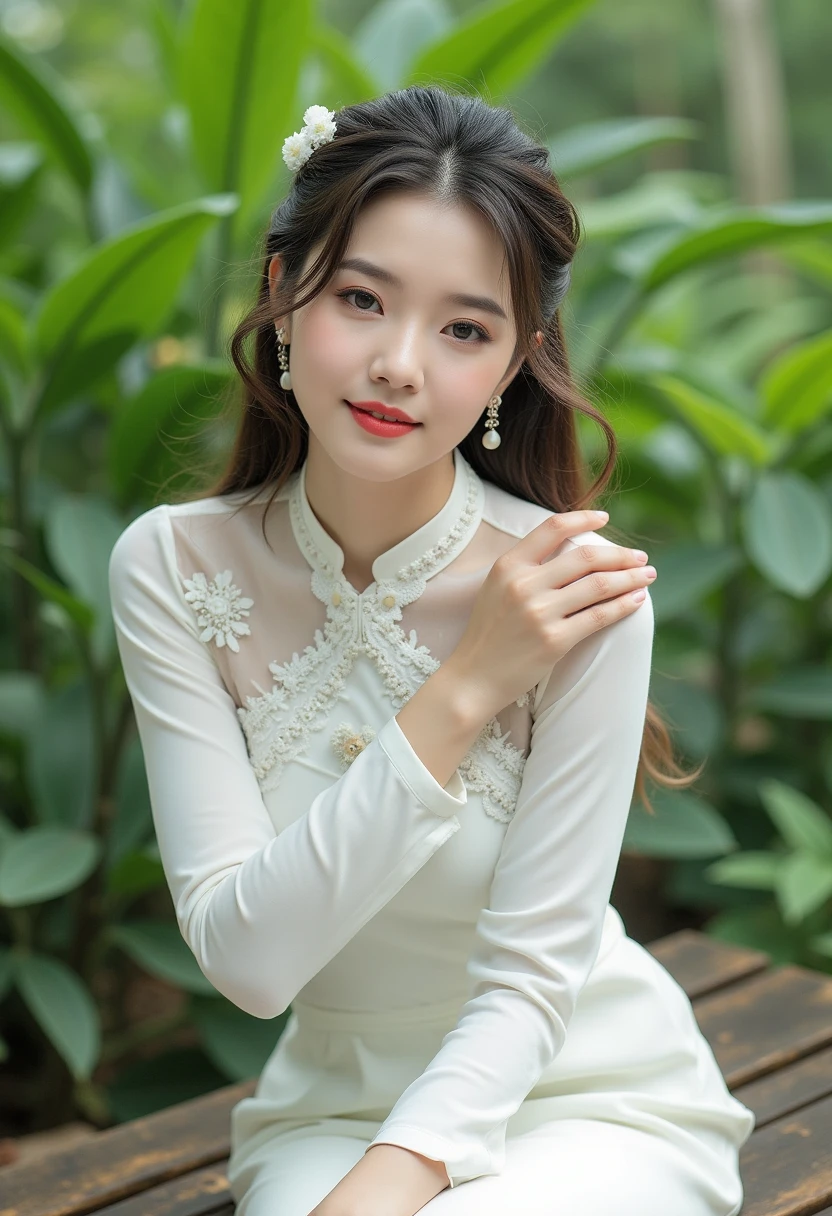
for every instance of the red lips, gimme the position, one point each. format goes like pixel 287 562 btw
pixel 380 408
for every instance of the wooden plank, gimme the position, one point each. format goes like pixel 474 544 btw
pixel 702 964
pixel 122 1161
pixel 202 1193
pixel 790 1088
pixel 767 1021
pixel 786 1167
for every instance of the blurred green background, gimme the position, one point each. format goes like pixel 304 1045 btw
pixel 139 163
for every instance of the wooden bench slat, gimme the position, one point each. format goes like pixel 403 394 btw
pixel 703 964
pixel 201 1193
pixel 790 1088
pixel 123 1160
pixel 787 1165
pixel 768 1021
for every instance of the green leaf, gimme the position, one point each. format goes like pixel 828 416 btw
pixel 62 758
pixel 594 145
pixel 132 825
pixel 687 573
pixel 240 69
pixel 21 703
pixel 39 102
pixel 44 862
pixel 394 32
pixel 799 820
pixel 64 1009
pixel 804 883
pixel 802 692
pixel 822 944
pixel 797 386
pixel 237 1043
pixel 345 78
pixel 683 826
pixel 80 531
pixel 165 1080
pixel 160 949
pixel 760 928
pixel 76 610
pixel 787 527
pixel 694 713
pixel 726 231
pixel 134 874
pixel 756 869
pixel 151 429
pixel 718 427
pixel 499 45
pixel 125 286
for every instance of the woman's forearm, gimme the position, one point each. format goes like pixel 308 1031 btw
pixel 387 1181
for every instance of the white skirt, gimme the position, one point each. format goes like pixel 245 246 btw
pixel 633 1116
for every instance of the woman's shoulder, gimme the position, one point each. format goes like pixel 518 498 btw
pixel 517 516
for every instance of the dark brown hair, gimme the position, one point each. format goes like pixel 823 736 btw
pixel 460 150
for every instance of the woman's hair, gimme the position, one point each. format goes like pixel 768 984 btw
pixel 461 150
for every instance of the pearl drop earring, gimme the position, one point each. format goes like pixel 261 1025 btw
pixel 491 439
pixel 282 359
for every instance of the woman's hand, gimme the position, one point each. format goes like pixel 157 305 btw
pixel 530 611
pixel 387 1181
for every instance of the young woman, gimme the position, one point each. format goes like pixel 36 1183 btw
pixel 391 685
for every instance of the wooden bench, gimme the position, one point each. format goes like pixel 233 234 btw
pixel 770 1028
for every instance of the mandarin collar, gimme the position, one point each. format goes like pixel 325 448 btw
pixel 420 555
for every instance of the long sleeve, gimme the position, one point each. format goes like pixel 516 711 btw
pixel 539 937
pixel 262 912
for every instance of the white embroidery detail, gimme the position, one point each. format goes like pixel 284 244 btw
pixel 219 608
pixel 347 742
pixel 277 724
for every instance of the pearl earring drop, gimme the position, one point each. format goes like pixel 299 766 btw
pixel 491 439
pixel 282 359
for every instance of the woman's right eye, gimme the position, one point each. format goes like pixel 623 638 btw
pixel 357 291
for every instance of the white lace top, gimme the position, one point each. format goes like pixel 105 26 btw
pixel 309 852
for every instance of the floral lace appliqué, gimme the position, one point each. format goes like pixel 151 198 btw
pixel 219 608
pixel 347 742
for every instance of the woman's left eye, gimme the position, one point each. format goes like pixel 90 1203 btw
pixel 482 334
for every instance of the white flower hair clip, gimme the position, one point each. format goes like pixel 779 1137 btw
pixel 319 128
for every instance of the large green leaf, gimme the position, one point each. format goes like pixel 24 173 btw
pixel 594 145
pixel 62 757
pixel 802 692
pixel 240 67
pixel 160 949
pixel 37 98
pixel 151 428
pixel 726 231
pixel 756 869
pixel 498 45
pixel 344 76
pixel 760 928
pixel 804 884
pixel 394 32
pixel 687 573
pixel 80 532
pixel 63 1006
pixel 21 703
pixel 121 292
pixel 800 821
pixel 683 826
pixel 75 609
pixel 20 170
pixel 787 526
pixel 718 427
pixel 44 862
pixel 237 1043
pixel 151 1085
pixel 132 824
pixel 797 387
pixel 696 716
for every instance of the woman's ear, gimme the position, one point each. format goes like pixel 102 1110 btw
pixel 275 275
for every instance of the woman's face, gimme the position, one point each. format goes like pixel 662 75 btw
pixel 394 334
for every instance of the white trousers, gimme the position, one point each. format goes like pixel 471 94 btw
pixel 574 1167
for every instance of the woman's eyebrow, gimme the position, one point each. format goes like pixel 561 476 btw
pixel 386 276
